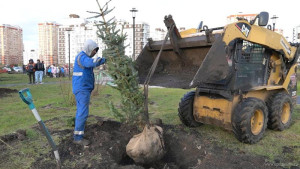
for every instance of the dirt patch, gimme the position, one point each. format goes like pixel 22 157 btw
pixel 48 106
pixel 18 135
pixel 6 92
pixel 107 96
pixel 51 106
pixel 287 149
pixel 8 139
pixel 185 149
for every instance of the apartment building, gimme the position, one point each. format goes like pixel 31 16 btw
pixel 158 34
pixel 11 44
pixel 296 34
pixel 142 33
pixel 48 43
pixel 73 32
pixel 30 54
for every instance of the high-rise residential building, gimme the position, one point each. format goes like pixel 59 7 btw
pixel 142 33
pixel 48 42
pixel 30 54
pixel 11 44
pixel 158 34
pixel 296 34
pixel 64 35
pixel 73 32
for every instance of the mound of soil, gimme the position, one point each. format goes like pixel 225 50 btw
pixel 6 91
pixel 185 149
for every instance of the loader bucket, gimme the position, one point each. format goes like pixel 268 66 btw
pixel 177 66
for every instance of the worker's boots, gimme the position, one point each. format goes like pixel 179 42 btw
pixel 82 142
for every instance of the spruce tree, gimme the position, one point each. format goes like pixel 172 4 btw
pixel 120 67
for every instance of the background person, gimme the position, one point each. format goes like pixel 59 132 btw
pixel 39 72
pixel 62 72
pixel 24 69
pixel 45 70
pixel 49 71
pixel 53 70
pixel 83 84
pixel 57 71
pixel 30 71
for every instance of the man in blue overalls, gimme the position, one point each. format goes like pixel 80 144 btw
pixel 83 84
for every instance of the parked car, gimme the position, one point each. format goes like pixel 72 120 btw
pixel 18 69
pixel 7 69
pixel 3 71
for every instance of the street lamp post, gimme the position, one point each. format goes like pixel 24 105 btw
pixel 69 30
pixel 133 11
pixel 69 57
pixel 274 21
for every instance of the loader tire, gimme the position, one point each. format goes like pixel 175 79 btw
pixel 280 111
pixel 185 110
pixel 249 120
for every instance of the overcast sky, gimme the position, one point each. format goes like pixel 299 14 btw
pixel 28 13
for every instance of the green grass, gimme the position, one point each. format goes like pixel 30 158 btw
pixel 6 78
pixel 14 115
pixel 13 78
pixel 49 101
pixel 271 145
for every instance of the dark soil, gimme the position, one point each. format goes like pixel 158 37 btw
pixel 6 92
pixel 19 135
pixel 175 79
pixel 173 70
pixel 185 149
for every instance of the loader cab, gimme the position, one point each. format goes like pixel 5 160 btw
pixel 239 66
pixel 251 62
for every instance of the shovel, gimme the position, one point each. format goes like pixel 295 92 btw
pixel 28 100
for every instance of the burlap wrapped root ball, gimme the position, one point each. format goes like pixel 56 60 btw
pixel 148 146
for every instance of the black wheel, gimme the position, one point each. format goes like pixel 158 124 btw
pixel 280 111
pixel 249 120
pixel 185 110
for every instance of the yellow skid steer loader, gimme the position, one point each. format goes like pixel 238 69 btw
pixel 244 75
